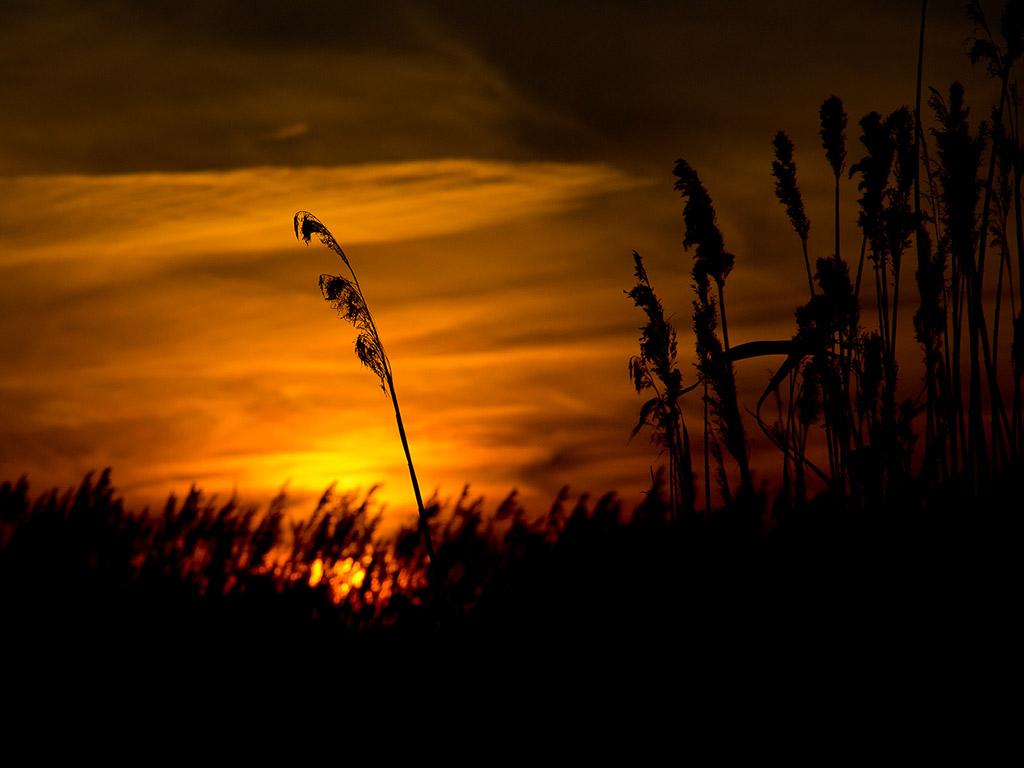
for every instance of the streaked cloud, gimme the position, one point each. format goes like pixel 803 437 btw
pixel 249 210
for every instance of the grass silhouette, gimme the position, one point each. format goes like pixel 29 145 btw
pixel 214 589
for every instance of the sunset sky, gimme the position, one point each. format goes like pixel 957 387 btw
pixel 489 167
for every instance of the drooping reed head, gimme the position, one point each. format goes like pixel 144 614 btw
pixel 344 296
pixel 347 299
pixel 371 354
pixel 307 225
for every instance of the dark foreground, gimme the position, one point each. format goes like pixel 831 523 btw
pixel 930 592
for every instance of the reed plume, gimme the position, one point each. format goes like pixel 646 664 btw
pixel 788 193
pixel 347 298
pixel 833 141
pixel 874 169
pixel 712 262
pixel 654 369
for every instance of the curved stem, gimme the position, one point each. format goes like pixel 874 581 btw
pixel 424 527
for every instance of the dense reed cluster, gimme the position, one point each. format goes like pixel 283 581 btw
pixel 76 564
pixel 209 592
pixel 850 418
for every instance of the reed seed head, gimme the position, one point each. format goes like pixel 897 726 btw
pixel 833 132
pixel 712 260
pixel 786 189
pixel 307 225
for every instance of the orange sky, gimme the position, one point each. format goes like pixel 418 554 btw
pixel 488 172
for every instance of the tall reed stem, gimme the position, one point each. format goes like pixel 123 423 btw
pixel 347 298
pixel 424 528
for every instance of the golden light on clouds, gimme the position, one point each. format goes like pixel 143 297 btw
pixel 160 215
pixel 169 325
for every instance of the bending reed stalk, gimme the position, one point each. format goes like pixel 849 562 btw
pixel 347 298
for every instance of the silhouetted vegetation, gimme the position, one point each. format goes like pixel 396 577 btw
pixel 655 369
pixel 869 527
pixel 211 588
pixel 842 395
pixel 347 298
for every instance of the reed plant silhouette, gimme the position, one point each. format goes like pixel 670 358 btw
pixel 347 298
pixel 786 189
pixel 827 325
pixel 888 173
pixel 841 377
pixel 655 370
pixel 196 578
pixel 712 262
pixel 833 141
pixel 1000 54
